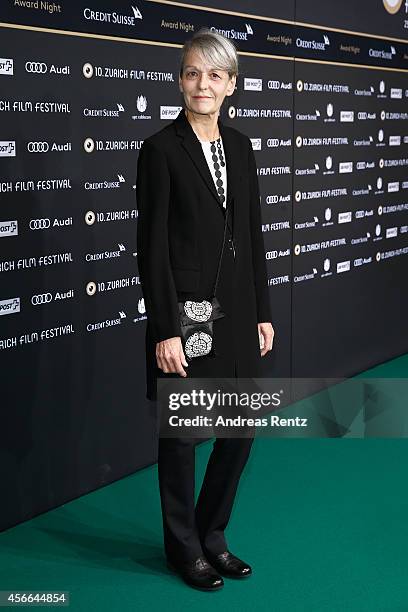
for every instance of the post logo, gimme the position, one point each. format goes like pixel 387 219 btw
pixel 6 66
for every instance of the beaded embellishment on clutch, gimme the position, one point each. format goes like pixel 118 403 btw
pixel 198 311
pixel 198 344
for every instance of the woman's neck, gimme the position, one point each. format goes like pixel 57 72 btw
pixel 204 126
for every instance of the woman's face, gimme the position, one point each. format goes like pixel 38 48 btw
pixel 204 87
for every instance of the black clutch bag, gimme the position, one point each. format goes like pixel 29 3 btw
pixel 196 318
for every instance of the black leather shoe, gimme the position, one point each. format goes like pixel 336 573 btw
pixel 229 565
pixel 198 574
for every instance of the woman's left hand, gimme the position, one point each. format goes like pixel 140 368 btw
pixel 266 334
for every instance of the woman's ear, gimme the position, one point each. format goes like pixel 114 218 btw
pixel 231 85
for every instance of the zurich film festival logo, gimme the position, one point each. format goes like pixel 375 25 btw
pixel 393 6
pixel 6 66
pixel 113 17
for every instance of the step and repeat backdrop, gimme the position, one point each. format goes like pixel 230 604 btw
pixel 322 94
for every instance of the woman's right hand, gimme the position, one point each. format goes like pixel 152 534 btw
pixel 170 356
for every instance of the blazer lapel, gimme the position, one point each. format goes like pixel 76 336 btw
pixel 193 147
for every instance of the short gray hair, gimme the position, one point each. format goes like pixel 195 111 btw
pixel 216 49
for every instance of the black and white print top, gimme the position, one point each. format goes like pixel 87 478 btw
pixel 215 156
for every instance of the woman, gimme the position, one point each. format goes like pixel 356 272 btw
pixel 189 174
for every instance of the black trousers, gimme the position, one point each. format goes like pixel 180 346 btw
pixel 191 530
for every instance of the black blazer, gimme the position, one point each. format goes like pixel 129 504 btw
pixel 180 223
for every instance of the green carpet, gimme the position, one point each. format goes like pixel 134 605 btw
pixel 323 523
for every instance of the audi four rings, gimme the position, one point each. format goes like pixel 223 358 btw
pixel 36 224
pixel 38 147
pixel 36 67
pixel 43 298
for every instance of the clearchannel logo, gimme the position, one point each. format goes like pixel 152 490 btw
pixel 141 105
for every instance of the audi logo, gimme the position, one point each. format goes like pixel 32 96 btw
pixel 36 224
pixel 37 67
pixel 271 254
pixel 38 147
pixel 43 298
